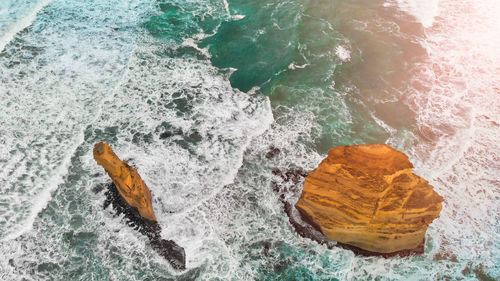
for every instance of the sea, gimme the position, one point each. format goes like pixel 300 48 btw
pixel 196 94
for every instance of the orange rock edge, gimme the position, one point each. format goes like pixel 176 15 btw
pixel 127 180
pixel 367 196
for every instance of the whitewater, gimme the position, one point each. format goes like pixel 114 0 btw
pixel 182 90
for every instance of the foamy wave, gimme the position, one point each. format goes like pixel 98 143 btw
pixel 177 119
pixel 238 17
pixel 189 42
pixel 424 11
pixel 293 66
pixel 8 33
pixel 186 130
pixel 454 94
pixel 343 53
pixel 43 120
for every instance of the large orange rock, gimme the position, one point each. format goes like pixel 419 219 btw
pixel 367 196
pixel 127 180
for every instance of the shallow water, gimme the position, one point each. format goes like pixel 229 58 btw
pixel 195 94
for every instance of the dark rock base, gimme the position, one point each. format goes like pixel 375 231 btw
pixel 305 227
pixel 168 249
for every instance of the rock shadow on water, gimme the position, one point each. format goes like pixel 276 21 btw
pixel 290 187
pixel 129 195
pixel 168 249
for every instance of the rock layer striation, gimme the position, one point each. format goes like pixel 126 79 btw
pixel 367 196
pixel 127 180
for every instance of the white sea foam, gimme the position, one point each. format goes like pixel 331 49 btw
pixel 43 120
pixel 384 125
pixel 184 175
pixel 44 196
pixel 213 111
pixel 9 29
pixel 247 213
pixel 343 53
pixel 129 91
pixel 424 11
pixel 189 42
pixel 238 17
pixel 226 6
pixel 454 95
pixel 293 66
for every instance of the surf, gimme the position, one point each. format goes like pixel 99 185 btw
pixel 9 30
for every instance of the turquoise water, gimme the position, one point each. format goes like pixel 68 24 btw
pixel 195 93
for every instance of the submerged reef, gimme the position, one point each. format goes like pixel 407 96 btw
pixel 129 195
pixel 367 198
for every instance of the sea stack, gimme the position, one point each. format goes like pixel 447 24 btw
pixel 129 195
pixel 367 197
pixel 126 179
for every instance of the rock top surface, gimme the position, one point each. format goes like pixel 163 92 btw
pixel 367 196
pixel 127 180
